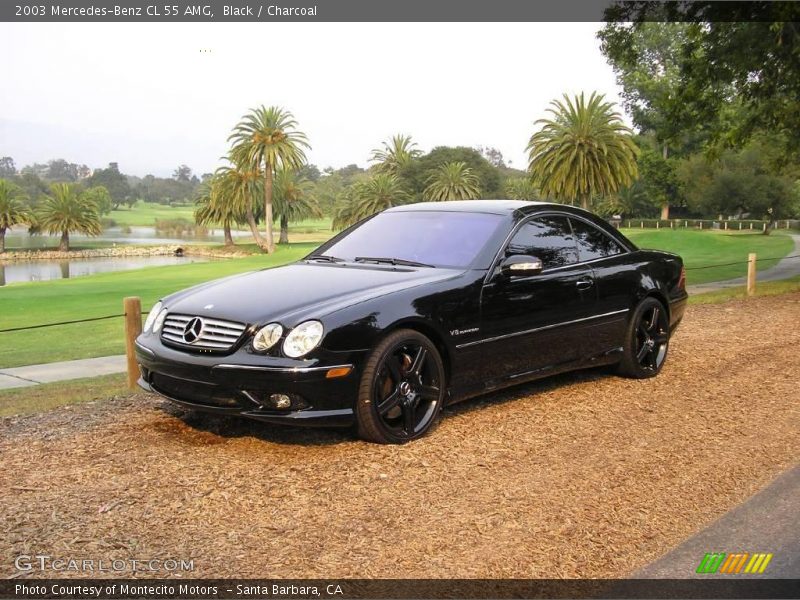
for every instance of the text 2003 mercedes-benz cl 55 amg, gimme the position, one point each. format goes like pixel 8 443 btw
pixel 418 306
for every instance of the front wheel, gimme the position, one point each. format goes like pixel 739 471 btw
pixel 402 389
pixel 646 340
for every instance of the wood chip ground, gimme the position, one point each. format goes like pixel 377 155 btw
pixel 583 475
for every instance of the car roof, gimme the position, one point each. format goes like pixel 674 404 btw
pixel 500 207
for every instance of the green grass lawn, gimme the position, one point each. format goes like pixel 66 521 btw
pixel 701 248
pixel 27 304
pixel 145 214
pixel 766 288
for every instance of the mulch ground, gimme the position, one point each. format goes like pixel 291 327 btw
pixel 586 475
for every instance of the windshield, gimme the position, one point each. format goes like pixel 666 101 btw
pixel 439 239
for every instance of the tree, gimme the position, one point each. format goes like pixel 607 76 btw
pixel 182 173
pixel 493 155
pixel 66 210
pixel 646 58
pixel 293 201
pixel 738 182
pixel 7 167
pixel 268 139
pixel 627 202
pixel 237 191
pixel 12 209
pixel 585 150
pixel 365 198
pixel 521 188
pixel 115 182
pixel 214 208
pixel 395 154
pixel 452 181
pixel 416 174
pixel 100 197
pixel 739 68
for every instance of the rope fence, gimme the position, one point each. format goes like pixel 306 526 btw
pixel 91 319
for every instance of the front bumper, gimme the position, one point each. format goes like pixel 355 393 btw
pixel 241 384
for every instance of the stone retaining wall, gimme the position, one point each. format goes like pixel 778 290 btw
pixel 118 251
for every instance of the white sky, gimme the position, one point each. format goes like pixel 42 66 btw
pixel 144 95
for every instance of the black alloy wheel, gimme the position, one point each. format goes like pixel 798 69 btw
pixel 402 389
pixel 647 341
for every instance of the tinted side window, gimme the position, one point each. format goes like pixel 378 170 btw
pixel 547 238
pixel 593 243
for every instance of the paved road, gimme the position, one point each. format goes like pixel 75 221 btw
pixel 61 371
pixel 786 268
pixel 767 522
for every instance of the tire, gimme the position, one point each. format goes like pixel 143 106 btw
pixel 402 389
pixel 646 341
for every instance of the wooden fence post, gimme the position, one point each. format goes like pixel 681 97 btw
pixel 751 274
pixel 133 327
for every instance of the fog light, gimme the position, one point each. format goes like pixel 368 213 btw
pixel 280 401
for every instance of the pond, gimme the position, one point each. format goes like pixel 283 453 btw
pixel 44 270
pixel 19 239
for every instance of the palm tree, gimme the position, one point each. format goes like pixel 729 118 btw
pixel 395 154
pixel 452 181
pixel 627 201
pixel 212 208
pixel 267 138
pixel 65 210
pixel 521 188
pixel 12 210
pixel 585 150
pixel 238 189
pixel 368 196
pixel 293 201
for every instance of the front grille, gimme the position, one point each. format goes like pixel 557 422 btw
pixel 205 333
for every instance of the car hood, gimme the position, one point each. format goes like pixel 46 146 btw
pixel 298 291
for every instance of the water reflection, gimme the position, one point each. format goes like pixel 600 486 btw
pixel 19 238
pixel 45 270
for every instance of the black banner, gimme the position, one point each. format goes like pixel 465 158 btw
pixel 391 10
pixel 346 589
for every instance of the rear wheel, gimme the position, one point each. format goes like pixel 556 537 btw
pixel 646 340
pixel 402 389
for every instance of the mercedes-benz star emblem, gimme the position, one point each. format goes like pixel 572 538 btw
pixel 192 331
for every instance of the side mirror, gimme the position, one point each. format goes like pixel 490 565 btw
pixel 518 265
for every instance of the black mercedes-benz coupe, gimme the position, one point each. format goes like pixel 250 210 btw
pixel 416 307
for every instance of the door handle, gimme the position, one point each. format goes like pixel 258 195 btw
pixel 585 283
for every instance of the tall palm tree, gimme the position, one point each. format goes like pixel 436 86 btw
pixel 212 208
pixel 521 188
pixel 238 189
pixel 268 139
pixel 293 201
pixel 368 196
pixel 452 181
pixel 584 150
pixel 65 210
pixel 12 209
pixel 395 154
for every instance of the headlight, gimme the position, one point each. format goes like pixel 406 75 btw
pixel 151 316
pixel 267 337
pixel 303 339
pixel 159 320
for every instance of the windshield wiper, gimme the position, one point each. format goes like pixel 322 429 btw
pixel 324 257
pixel 392 261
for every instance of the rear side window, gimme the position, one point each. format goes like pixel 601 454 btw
pixel 547 238
pixel 592 242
